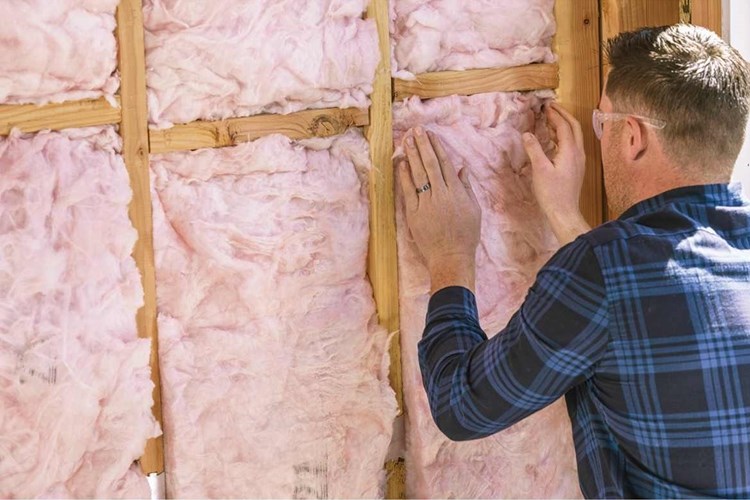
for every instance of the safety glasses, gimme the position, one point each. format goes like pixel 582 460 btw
pixel 599 117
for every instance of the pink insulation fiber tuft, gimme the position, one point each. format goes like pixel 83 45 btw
pixel 75 387
pixel 274 370
pixel 60 50
pixel 438 35
pixel 218 59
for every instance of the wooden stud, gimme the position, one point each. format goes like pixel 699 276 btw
pixel 72 114
pixel 301 125
pixel 382 261
pixel 707 13
pixel 628 15
pixel 578 48
pixel 382 257
pixel 134 131
pixel 396 473
pixel 476 81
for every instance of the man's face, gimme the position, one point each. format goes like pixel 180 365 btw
pixel 616 177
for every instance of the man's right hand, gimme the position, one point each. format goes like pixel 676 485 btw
pixel 557 183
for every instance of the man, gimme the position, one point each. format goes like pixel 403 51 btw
pixel 642 323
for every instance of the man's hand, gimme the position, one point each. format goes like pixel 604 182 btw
pixel 441 210
pixel 557 183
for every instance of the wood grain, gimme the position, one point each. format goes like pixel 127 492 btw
pixel 707 13
pixel 477 81
pixel 134 131
pixel 396 474
pixel 628 15
pixel 382 257
pixel 578 48
pixel 71 114
pixel 216 134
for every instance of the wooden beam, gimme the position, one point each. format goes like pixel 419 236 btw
pixel 71 114
pixel 707 13
pixel 628 15
pixel 134 131
pixel 578 48
pixel 477 81
pixel 382 256
pixel 301 125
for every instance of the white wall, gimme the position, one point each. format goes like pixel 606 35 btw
pixel 739 37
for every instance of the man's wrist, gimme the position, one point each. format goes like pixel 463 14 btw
pixel 452 270
pixel 568 226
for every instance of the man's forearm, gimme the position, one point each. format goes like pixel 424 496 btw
pixel 452 270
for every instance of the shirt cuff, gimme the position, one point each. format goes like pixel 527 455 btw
pixel 452 303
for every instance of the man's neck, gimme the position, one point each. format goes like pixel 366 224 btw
pixel 654 187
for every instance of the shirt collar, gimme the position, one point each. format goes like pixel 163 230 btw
pixel 706 194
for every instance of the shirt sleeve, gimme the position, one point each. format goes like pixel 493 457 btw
pixel 476 386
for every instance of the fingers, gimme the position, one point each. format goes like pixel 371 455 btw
pixel 568 129
pixel 535 152
pixel 407 186
pixel 575 125
pixel 429 158
pixel 446 167
pixel 565 137
pixel 418 174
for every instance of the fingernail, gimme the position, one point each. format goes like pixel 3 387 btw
pixel 526 137
pixel 410 142
pixel 418 131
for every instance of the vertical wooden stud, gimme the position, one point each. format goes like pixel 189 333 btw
pixel 382 260
pixel 134 131
pixel 707 13
pixel 577 45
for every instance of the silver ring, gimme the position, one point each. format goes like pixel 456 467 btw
pixel 424 188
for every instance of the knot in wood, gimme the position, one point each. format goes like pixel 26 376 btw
pixel 325 126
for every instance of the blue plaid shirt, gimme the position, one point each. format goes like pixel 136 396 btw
pixel 644 325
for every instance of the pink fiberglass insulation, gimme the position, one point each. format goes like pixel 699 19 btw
pixel 274 370
pixel 61 50
pixel 436 35
pixel 534 458
pixel 224 58
pixel 75 387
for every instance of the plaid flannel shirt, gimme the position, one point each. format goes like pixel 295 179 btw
pixel 644 325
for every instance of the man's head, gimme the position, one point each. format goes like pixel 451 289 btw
pixel 689 78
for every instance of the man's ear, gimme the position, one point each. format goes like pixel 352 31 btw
pixel 637 139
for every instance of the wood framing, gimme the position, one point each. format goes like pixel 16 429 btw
pixel 301 125
pixel 382 255
pixel 134 131
pixel 627 15
pixel 476 81
pixel 706 13
pixel 33 118
pixel 578 48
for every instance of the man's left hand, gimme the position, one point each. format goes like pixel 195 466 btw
pixel 442 211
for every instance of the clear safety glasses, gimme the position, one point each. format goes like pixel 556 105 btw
pixel 599 117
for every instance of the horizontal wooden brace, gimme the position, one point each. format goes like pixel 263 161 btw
pixel 71 114
pixel 301 125
pixel 477 81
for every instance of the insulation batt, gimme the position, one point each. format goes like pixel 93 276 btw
pixel 534 458
pixel 436 35
pixel 54 51
pixel 75 387
pixel 224 58
pixel 274 370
